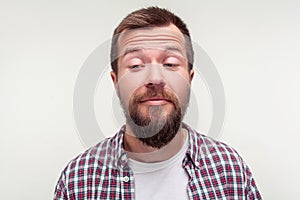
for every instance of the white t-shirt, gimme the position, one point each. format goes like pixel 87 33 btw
pixel 161 180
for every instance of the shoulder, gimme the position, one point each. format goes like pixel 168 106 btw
pixel 89 169
pixel 202 146
pixel 222 164
pixel 217 149
pixel 209 153
pixel 102 154
pixel 92 163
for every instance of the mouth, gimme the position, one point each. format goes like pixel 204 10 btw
pixel 155 101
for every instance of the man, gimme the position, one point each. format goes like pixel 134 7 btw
pixel 155 155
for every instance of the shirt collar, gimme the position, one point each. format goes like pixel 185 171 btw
pixel 121 157
pixel 198 147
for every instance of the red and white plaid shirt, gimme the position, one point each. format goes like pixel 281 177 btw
pixel 215 170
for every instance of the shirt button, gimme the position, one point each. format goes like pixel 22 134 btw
pixel 123 158
pixel 125 179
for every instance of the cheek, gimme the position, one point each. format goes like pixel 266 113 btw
pixel 129 83
pixel 179 84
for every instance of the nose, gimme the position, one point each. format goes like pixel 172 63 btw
pixel 155 77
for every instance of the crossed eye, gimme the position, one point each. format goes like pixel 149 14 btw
pixel 135 66
pixel 170 65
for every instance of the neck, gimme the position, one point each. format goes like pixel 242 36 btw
pixel 142 152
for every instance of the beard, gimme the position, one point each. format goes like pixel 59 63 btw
pixel 153 125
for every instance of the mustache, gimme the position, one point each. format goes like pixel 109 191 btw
pixel 153 93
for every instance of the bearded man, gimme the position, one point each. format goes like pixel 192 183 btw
pixel 155 155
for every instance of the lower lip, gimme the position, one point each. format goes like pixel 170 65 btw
pixel 155 102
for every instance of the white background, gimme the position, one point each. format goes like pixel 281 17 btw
pixel 255 46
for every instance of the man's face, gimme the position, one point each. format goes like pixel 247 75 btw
pixel 153 82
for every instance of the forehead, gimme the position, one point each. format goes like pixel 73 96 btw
pixel 154 37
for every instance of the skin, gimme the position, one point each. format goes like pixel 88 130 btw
pixel 156 58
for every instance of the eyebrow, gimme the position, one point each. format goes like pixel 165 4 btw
pixel 166 49
pixel 131 50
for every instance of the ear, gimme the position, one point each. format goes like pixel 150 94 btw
pixel 114 78
pixel 191 75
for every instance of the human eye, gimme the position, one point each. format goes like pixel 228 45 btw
pixel 171 62
pixel 135 66
pixel 170 65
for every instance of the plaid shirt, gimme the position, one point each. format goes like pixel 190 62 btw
pixel 216 171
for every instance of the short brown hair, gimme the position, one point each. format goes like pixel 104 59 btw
pixel 150 17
